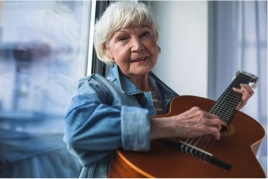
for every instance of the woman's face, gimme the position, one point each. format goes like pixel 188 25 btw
pixel 134 50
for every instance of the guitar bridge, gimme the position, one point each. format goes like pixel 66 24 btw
pixel 196 152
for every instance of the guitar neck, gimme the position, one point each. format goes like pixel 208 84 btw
pixel 226 105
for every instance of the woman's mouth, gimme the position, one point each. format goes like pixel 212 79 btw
pixel 141 59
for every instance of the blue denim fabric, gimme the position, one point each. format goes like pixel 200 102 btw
pixel 108 114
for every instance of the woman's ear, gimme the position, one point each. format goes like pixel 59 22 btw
pixel 108 52
pixel 159 49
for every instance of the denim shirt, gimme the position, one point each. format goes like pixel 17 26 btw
pixel 108 114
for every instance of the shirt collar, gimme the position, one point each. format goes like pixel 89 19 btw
pixel 129 88
pixel 125 84
pixel 122 81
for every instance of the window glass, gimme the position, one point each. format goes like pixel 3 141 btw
pixel 43 53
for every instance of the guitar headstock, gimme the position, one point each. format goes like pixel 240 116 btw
pixel 253 78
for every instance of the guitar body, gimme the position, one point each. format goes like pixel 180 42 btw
pixel 238 146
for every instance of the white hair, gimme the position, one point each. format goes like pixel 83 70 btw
pixel 117 16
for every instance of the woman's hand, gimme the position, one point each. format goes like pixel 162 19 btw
pixel 246 92
pixel 192 123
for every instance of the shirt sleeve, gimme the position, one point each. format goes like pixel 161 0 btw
pixel 94 128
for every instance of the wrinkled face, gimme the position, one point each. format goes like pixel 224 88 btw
pixel 134 50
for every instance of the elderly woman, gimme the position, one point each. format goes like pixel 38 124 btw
pixel 114 112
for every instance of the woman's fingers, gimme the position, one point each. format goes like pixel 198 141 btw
pixel 196 122
pixel 246 92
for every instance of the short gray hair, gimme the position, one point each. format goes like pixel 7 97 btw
pixel 117 16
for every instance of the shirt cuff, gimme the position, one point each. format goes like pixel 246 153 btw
pixel 135 129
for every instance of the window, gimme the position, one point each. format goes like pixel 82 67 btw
pixel 43 52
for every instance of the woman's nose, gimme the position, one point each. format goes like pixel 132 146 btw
pixel 136 44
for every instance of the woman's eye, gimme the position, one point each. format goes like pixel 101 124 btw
pixel 146 33
pixel 122 38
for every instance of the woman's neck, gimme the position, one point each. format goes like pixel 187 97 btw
pixel 141 82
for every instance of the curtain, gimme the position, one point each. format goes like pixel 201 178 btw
pixel 238 41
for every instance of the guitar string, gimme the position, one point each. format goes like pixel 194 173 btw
pixel 235 98
pixel 209 139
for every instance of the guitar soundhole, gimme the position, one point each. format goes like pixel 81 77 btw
pixel 227 130
pixel 223 128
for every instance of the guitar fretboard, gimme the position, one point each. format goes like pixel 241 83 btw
pixel 226 105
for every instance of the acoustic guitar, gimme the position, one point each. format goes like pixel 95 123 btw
pixel 202 157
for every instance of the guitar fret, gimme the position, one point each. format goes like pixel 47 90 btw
pixel 225 106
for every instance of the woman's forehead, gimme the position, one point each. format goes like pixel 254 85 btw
pixel 137 26
pixel 133 26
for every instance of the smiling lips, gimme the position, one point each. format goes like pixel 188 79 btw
pixel 139 59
